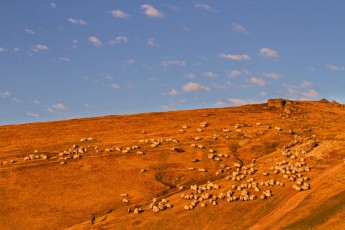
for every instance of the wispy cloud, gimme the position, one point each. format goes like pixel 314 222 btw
pixel 32 114
pixel 235 57
pixel 210 74
pixel 257 81
pixel 119 14
pixel 303 91
pixel 129 61
pixel 57 107
pixel 173 92
pixel 272 75
pixel 76 21
pixel 335 68
pixel 234 74
pixel 52 5
pixel 2 49
pixel 151 42
pixel 16 49
pixel 119 40
pixel 168 63
pixel 192 86
pixel 64 59
pixel 17 100
pixel 239 101
pixel 306 84
pixel 40 47
pixel 114 86
pixel 190 75
pixel 267 52
pixel 95 41
pixel 29 31
pixel 311 94
pixel 238 28
pixel 204 7
pixel 149 10
pixel 5 94
pixel 75 43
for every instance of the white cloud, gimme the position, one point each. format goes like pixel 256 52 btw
pixel 119 14
pixel 234 73
pixel 306 84
pixel 75 43
pixel 311 94
pixel 52 5
pixel 210 74
pixel 335 68
pixel 257 81
pixel 2 49
pixel 16 49
pixel 32 114
pixel 95 41
pixel 151 11
pixel 5 94
pixel 263 94
pixel 64 59
pixel 300 93
pixel 151 42
pixel 238 101
pixel 76 21
pixel 129 61
pixel 57 107
pixel 40 47
pixel 119 40
pixel 238 28
pixel 272 75
pixel 168 63
pixel 267 52
pixel 220 104
pixel 191 86
pixel 114 86
pixel 17 100
pixel 27 30
pixel 204 6
pixel 173 92
pixel 190 76
pixel 235 57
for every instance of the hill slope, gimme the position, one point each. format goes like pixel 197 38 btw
pixel 247 143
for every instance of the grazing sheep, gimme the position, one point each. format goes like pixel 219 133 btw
pixel 155 209
pixel 125 201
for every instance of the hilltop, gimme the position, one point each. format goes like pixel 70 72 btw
pixel 276 165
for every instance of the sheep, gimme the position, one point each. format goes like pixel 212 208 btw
pixel 197 138
pixel 184 127
pixel 199 130
pixel 137 210
pixel 195 160
pixel 63 162
pixel 181 130
pixel 225 130
pixel 203 205
pixel 142 170
pixel 186 207
pixel 125 201
pixel 155 209
pixel 76 156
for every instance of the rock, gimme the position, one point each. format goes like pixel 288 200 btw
pixel 287 111
pixel 243 142
pixel 279 103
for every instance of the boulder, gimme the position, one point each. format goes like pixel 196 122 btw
pixel 279 103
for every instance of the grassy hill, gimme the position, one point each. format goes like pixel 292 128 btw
pixel 81 178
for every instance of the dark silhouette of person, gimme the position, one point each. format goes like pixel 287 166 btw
pixel 93 218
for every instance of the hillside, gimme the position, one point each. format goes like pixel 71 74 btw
pixel 56 175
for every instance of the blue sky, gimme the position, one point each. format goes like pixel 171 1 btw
pixel 68 59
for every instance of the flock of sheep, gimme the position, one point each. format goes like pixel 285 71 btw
pixel 244 187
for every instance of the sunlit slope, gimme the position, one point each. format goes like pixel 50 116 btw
pixel 151 155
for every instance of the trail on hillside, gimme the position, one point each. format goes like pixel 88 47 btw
pixel 292 203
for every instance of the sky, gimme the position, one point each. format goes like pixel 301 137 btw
pixel 69 59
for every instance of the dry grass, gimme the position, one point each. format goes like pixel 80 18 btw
pixel 42 194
